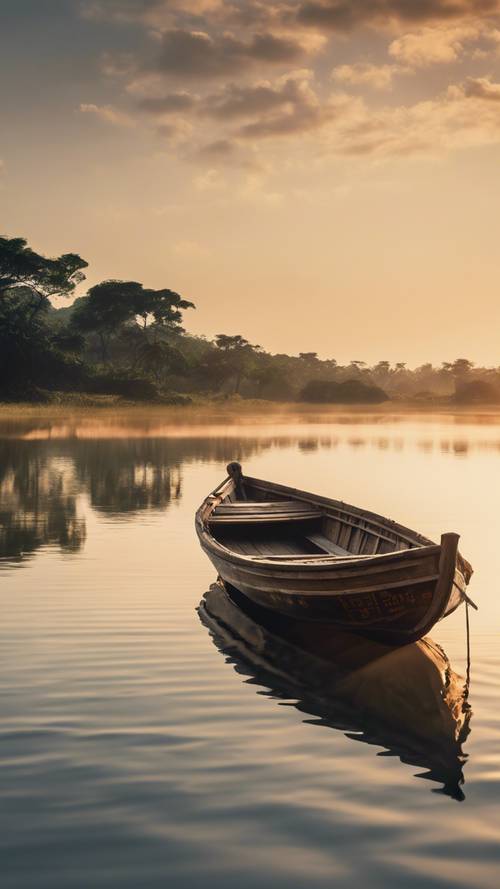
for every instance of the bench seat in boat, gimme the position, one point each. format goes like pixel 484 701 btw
pixel 249 511
pixel 327 545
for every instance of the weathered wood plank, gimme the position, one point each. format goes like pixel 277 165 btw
pixel 279 505
pixel 328 545
pixel 252 518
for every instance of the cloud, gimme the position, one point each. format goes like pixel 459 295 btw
pixel 457 119
pixel 261 98
pixel 216 79
pixel 345 15
pixel 379 77
pixel 210 180
pixel 118 64
pixel 220 149
pixel 226 153
pixel 176 132
pixel 108 114
pixel 431 46
pixel 279 15
pixel 198 54
pixel 171 103
pixel 154 13
pixel 301 120
pixel 289 106
pixel 482 88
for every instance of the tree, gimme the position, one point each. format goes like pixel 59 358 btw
pixel 160 358
pixel 461 368
pixel 38 277
pixel 357 367
pixel 105 309
pixel 348 392
pixel 163 307
pixel 271 380
pixel 110 305
pixel 381 373
pixel 236 357
pixel 28 352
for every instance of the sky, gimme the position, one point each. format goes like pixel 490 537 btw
pixel 316 175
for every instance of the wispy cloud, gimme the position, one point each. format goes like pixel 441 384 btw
pixel 458 118
pixel 108 114
pixel 482 88
pixel 379 77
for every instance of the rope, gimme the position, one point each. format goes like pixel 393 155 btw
pixel 467 629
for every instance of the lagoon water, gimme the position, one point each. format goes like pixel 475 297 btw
pixel 137 750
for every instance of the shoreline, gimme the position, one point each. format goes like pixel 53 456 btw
pixel 233 407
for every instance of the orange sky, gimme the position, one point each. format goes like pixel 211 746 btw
pixel 313 175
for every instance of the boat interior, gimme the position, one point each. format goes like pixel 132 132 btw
pixel 260 520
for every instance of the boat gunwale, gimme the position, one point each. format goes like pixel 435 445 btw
pixel 317 562
pixel 421 546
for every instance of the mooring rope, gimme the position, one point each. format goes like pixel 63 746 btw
pixel 467 630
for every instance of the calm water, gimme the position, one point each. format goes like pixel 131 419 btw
pixel 142 748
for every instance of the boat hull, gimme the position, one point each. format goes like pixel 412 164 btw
pixel 397 603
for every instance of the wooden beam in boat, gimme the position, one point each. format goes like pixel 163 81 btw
pixel 326 544
pixel 255 518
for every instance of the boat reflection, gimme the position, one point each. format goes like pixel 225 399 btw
pixel 407 700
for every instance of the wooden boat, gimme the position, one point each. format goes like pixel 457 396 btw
pixel 319 559
pixel 407 700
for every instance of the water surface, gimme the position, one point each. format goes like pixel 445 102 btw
pixel 141 748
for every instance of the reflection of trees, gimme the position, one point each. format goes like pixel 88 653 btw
pixel 37 501
pixel 41 480
pixel 123 476
pixel 127 476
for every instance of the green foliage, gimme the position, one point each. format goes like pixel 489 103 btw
pixel 160 360
pixel 29 355
pixel 21 266
pixel 106 308
pixel 115 382
pixel 234 359
pixel 165 307
pixel 112 305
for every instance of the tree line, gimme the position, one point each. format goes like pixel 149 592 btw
pixel 122 338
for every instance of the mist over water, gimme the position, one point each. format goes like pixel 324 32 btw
pixel 144 743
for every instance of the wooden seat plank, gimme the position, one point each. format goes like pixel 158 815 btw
pixel 268 511
pixel 250 518
pixel 327 545
pixel 277 506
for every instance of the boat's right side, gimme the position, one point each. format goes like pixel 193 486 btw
pixel 440 599
pixel 395 598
